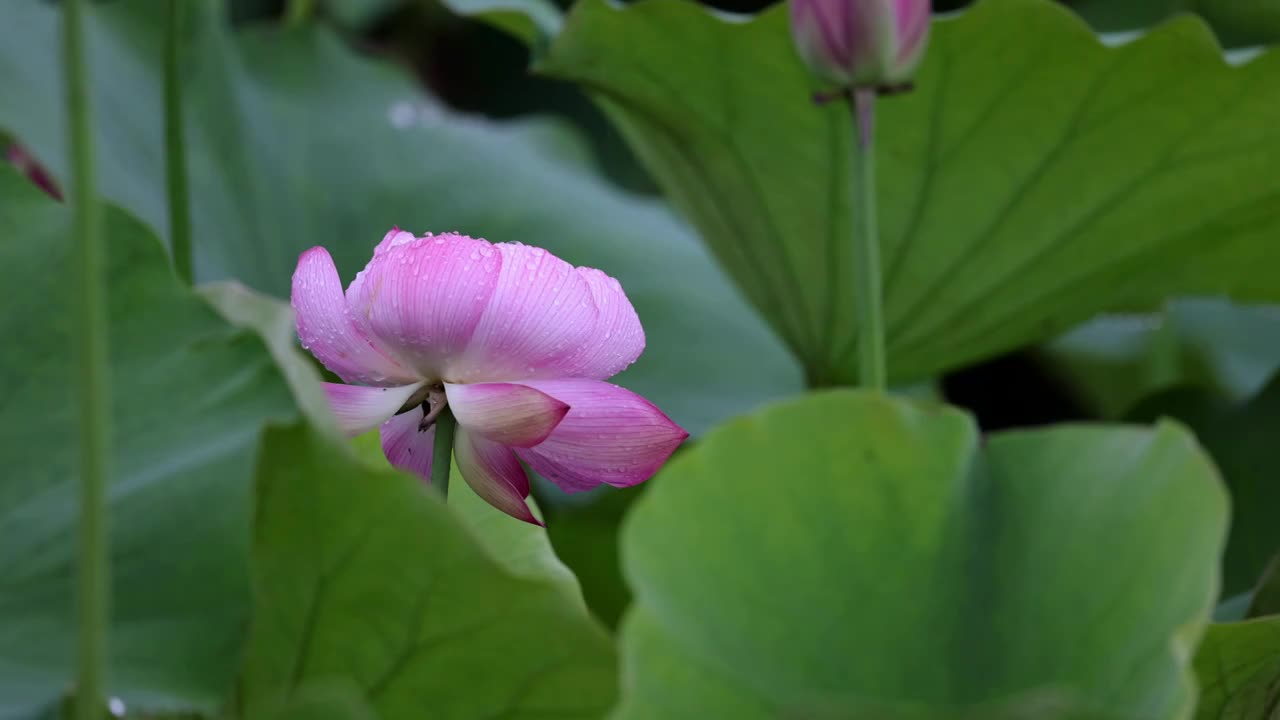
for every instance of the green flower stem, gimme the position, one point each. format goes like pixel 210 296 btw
pixel 442 451
pixel 92 376
pixel 866 241
pixel 174 153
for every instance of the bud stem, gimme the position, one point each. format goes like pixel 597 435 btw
pixel 442 451
pixel 91 334
pixel 174 147
pixel 866 241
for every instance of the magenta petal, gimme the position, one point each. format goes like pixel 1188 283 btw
pixel 617 339
pixel 610 435
pixel 506 413
pixel 406 447
pixel 361 408
pixel 326 328
pixel 424 297
pixel 541 314
pixel 494 473
pixel 913 18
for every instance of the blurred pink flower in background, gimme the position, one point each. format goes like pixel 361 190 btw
pixel 28 166
pixel 861 43
pixel 515 341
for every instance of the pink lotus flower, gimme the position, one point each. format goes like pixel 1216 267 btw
pixel 515 341
pixel 861 43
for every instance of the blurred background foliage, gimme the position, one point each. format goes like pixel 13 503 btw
pixel 1209 362
pixel 1116 366
pixel 1102 368
pixel 1198 359
pixel 1106 368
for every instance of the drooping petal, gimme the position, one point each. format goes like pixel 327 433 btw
pixel 540 315
pixel 406 447
pixel 361 408
pixel 610 435
pixel 326 328
pixel 618 338
pixel 494 473
pixel 424 297
pixel 506 413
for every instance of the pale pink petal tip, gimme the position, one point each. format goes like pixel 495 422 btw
pixel 394 238
pixel 494 473
pixel 610 435
pixel 506 413
pixel 360 409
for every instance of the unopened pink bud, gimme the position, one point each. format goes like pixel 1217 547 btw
pixel 861 43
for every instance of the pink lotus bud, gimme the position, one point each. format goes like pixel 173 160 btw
pixel 861 43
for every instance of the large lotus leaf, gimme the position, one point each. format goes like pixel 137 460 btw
pixel 853 556
pixel 1266 596
pixel 1242 441
pixel 1238 666
pixel 295 141
pixel 363 575
pixel 586 538
pixel 1113 361
pixel 1033 178
pixel 532 21
pixel 1236 22
pixel 191 395
pixel 521 548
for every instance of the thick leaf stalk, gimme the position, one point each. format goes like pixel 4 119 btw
pixel 174 144
pixel 92 376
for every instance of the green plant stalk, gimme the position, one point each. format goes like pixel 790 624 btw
pixel 92 376
pixel 174 146
pixel 442 451
pixel 866 241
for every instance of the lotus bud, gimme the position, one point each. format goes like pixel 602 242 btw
pixel 861 43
